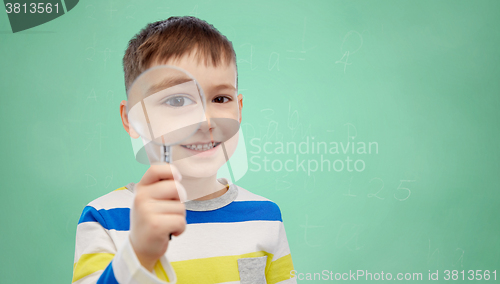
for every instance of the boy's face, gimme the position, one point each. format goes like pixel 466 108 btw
pixel 222 101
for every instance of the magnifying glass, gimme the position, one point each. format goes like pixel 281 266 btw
pixel 167 108
pixel 166 105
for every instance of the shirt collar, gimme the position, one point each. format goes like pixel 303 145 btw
pixel 210 204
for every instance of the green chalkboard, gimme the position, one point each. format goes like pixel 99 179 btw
pixel 374 125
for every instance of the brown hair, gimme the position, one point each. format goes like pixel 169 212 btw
pixel 173 38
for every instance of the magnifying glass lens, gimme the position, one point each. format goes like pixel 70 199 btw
pixel 165 105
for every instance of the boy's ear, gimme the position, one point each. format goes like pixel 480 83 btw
pixel 240 104
pixel 125 122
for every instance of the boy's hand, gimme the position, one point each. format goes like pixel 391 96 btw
pixel 156 213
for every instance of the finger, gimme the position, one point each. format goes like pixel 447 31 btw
pixel 166 190
pixel 167 207
pixel 174 224
pixel 160 172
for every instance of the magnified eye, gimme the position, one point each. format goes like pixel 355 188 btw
pixel 179 101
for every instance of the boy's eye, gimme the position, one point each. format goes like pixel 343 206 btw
pixel 179 101
pixel 221 100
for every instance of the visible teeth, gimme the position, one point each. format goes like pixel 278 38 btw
pixel 200 147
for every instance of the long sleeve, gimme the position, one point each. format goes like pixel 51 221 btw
pixel 281 264
pixel 104 254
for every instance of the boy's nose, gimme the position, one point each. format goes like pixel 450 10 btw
pixel 208 124
pixel 218 126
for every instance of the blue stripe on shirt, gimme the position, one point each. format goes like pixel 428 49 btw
pixel 111 219
pixel 236 211
pixel 108 276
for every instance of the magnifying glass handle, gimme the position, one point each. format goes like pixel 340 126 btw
pixel 165 156
pixel 166 153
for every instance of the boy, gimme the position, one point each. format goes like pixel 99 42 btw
pixel 227 236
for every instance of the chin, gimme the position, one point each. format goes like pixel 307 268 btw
pixel 192 167
pixel 197 172
pixel 197 167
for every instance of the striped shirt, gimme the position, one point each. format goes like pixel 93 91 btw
pixel 238 237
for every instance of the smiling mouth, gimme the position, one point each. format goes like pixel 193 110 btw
pixel 202 147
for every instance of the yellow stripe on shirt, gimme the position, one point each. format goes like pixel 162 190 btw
pixel 280 269
pixel 160 272
pixel 213 269
pixel 93 262
pixel 90 263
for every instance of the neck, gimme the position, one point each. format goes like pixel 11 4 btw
pixel 205 188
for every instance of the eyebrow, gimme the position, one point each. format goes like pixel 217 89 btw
pixel 223 86
pixel 167 83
